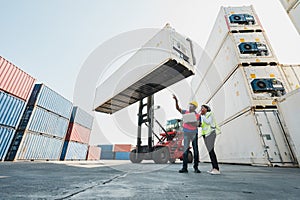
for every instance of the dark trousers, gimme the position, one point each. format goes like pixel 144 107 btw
pixel 188 137
pixel 210 143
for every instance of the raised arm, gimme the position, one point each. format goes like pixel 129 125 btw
pixel 176 102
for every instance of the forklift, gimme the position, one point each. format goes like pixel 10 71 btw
pixel 170 143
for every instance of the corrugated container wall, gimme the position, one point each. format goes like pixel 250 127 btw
pixel 74 151
pixel 289 111
pixel 11 109
pixel 81 117
pixel 15 81
pixel 42 121
pixel 38 147
pixel 6 136
pixel 93 153
pixel 122 155
pixel 78 133
pixel 48 99
pixel 122 147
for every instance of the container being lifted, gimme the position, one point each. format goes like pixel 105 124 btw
pixel 162 61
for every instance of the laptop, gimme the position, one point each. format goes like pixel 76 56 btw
pixel 190 117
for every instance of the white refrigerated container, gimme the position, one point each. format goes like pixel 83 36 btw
pixel 288 4
pixel 231 19
pixel 164 60
pixel 255 137
pixel 217 70
pixel 240 92
pixel 294 14
pixel 289 112
pixel 292 75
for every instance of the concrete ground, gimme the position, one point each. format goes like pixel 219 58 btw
pixel 124 180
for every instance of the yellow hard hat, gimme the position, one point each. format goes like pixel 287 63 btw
pixel 194 103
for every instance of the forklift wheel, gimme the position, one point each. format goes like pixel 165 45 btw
pixel 190 157
pixel 161 155
pixel 135 157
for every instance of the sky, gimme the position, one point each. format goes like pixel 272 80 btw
pixel 52 40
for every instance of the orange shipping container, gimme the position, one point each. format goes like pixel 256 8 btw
pixel 122 147
pixel 93 153
pixel 15 81
pixel 78 133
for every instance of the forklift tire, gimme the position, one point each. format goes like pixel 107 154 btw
pixel 161 155
pixel 135 157
pixel 190 157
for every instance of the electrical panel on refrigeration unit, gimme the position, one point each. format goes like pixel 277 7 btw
pixel 270 85
pixel 242 19
pixel 257 48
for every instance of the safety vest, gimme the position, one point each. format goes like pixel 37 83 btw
pixel 207 128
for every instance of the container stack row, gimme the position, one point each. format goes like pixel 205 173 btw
pixel 36 123
pixel 43 127
pixel 78 135
pixel 115 152
pixel 240 78
pixel 15 89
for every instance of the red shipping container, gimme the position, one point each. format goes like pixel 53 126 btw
pixel 78 133
pixel 93 153
pixel 15 81
pixel 122 148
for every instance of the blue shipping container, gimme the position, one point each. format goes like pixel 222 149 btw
pixel 42 121
pixel 74 151
pixel 6 136
pixel 39 147
pixel 11 109
pixel 106 147
pixel 81 117
pixel 107 155
pixel 44 97
pixel 122 155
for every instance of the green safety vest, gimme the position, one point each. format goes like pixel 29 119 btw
pixel 207 128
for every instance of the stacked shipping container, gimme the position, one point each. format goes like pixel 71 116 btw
pixel 241 78
pixel 43 126
pixel 15 88
pixel 78 135
pixel 293 10
pixel 93 153
pixel 107 152
pixel 122 151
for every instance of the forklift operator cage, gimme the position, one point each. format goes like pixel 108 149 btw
pixel 164 60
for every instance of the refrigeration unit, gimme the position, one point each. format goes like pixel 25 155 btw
pixel 247 88
pixel 255 137
pixel 164 60
pixel 292 75
pixel 289 112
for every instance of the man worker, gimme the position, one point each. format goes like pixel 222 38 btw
pixel 190 131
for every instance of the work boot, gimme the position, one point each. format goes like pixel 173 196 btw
pixel 183 171
pixel 196 170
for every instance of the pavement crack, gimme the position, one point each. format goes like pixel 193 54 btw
pixel 92 186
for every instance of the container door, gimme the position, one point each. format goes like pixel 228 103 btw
pixel 274 137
